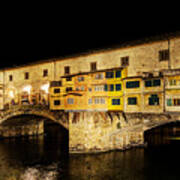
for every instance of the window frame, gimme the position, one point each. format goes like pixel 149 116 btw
pixel 125 61
pixel 164 55
pixel 45 72
pixel 11 77
pixel 57 104
pixel 26 75
pixel 93 66
pixel 131 99
pixel 66 70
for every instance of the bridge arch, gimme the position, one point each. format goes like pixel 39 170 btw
pixel 59 117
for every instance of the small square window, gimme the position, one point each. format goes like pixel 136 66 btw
pixel 57 102
pixel 93 66
pixel 26 75
pixel 10 78
pixel 109 74
pixel 66 70
pixel 45 72
pixel 125 61
pixel 105 87
pixel 90 101
pixel 132 101
pixel 118 87
pixel 164 55
pixel 57 90
pixel 111 87
pixel 69 79
pixel 70 101
pixel 118 74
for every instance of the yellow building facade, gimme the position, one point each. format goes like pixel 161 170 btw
pixel 153 95
pixel 172 91
pixel 133 90
pixel 115 88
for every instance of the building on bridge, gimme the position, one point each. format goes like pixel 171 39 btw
pixel 29 84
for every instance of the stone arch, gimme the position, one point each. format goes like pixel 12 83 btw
pixel 60 118
pixel 156 125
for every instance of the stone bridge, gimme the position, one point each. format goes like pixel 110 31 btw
pixel 98 131
pixel 104 131
pixel 39 110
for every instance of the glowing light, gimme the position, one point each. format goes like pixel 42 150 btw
pixel 11 94
pixel 27 89
pixel 45 88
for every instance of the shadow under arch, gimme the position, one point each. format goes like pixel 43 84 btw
pixel 163 134
pixel 45 148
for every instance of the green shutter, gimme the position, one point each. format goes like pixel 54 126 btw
pixel 169 102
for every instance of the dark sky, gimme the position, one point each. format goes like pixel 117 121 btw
pixel 27 40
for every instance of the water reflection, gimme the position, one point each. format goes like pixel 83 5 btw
pixel 113 165
pixel 46 158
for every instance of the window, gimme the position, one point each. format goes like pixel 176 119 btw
pixel 111 87
pixel 55 83
pixel 164 55
pixel 93 66
pixel 109 74
pixel 156 82
pixel 10 78
pixel 118 87
pixel 105 87
pixel 125 61
pixel 152 83
pixel 26 75
pixel 132 84
pixel 45 72
pixel 69 79
pixel 80 79
pixel 132 101
pixel 115 101
pixel 154 100
pixel 102 100
pixel 99 76
pixel 70 101
pixel 82 88
pixel 99 88
pixel 169 102
pixel 172 82
pixel 57 102
pixel 57 90
pixel 176 102
pixel 99 100
pixel 90 101
pixel 68 89
pixel 118 74
pixel 96 100
pixel 148 83
pixel 66 70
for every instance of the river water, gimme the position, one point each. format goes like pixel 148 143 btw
pixel 46 158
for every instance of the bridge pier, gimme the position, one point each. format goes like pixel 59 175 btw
pixel 100 132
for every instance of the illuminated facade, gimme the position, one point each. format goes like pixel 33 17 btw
pixel 130 78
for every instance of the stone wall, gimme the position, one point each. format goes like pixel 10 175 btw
pixel 35 128
pixel 91 132
pixel 101 131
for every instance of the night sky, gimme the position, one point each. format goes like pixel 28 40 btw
pixel 24 41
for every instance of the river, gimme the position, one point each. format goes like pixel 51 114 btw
pixel 46 158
